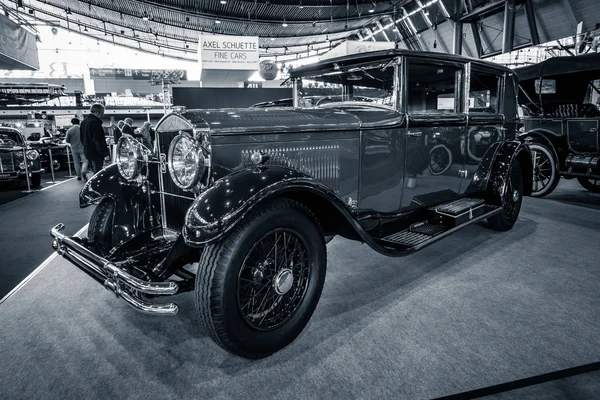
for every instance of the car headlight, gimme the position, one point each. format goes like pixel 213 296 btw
pixel 33 155
pixel 130 157
pixel 186 161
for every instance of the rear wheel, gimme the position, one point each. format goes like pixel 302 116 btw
pixel 257 288
pixel 545 171
pixel 593 185
pixel 100 227
pixel 510 201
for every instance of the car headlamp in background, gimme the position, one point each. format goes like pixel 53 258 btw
pixel 130 157
pixel 32 155
pixel 186 161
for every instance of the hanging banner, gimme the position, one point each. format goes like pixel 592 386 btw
pixel 228 52
pixel 18 47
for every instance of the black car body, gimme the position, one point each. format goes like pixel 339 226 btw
pixel 52 149
pixel 561 118
pixel 13 153
pixel 235 204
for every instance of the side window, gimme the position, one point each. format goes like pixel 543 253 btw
pixel 433 88
pixel 484 93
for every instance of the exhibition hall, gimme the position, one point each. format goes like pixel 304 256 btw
pixel 299 199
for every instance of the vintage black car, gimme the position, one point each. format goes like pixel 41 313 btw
pixel 235 204
pixel 13 153
pixel 47 145
pixel 561 110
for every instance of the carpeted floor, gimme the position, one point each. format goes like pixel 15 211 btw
pixel 477 309
pixel 25 229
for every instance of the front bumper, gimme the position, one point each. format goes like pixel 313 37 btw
pixel 20 174
pixel 123 284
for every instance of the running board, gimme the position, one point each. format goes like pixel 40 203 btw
pixel 424 233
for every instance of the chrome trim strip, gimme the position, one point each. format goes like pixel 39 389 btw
pixel 172 194
pixel 161 186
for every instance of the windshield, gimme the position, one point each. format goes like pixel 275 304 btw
pixel 10 138
pixel 370 84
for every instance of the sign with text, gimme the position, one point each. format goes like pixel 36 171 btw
pixel 228 52
pixel 158 75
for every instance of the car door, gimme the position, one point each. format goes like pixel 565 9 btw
pixel 486 121
pixel 433 134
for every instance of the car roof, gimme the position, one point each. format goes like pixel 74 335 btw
pixel 586 63
pixel 383 55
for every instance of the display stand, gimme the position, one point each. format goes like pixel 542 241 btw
pixel 51 165
pixel 29 189
pixel 69 162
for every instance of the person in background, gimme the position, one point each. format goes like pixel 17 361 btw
pixel 127 128
pixel 92 137
pixel 74 139
pixel 118 131
pixel 143 135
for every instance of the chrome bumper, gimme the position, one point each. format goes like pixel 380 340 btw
pixel 123 284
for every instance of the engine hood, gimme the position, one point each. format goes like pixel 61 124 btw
pixel 266 120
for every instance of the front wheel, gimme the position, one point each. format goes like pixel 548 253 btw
pixel 511 199
pixel 593 185
pixel 258 287
pixel 545 170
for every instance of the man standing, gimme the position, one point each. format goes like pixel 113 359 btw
pixel 127 129
pixel 74 139
pixel 118 131
pixel 92 137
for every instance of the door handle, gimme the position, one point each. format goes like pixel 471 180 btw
pixel 414 134
pixel 593 130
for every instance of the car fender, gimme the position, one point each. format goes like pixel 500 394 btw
pixel 544 137
pixel 130 202
pixel 220 207
pixel 494 168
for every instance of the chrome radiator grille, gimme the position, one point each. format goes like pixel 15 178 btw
pixel 320 162
pixel 174 202
pixel 7 161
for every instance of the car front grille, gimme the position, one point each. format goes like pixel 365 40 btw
pixel 174 202
pixel 7 161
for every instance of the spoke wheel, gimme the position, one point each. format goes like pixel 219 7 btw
pixel 273 279
pixel 593 185
pixel 545 173
pixel 440 159
pixel 257 288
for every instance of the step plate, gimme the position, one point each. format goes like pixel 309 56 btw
pixel 414 236
pixel 458 207
pixel 457 212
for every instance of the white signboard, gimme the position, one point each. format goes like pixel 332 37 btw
pixel 355 47
pixel 228 52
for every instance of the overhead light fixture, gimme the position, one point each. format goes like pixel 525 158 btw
pixel 371 10
pixel 145 17
pixel 217 21
pixel 69 11
pixel 223 2
pixel 272 38
pixel 314 23
pixel 284 24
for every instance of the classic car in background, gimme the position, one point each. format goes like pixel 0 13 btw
pixel 14 153
pixel 58 148
pixel 235 204
pixel 559 98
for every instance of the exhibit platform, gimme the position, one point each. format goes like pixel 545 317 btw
pixel 478 309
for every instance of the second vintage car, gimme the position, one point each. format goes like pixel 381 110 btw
pixel 234 205
pixel 560 98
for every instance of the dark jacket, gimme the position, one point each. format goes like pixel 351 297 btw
pixel 116 134
pixel 92 138
pixel 127 130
